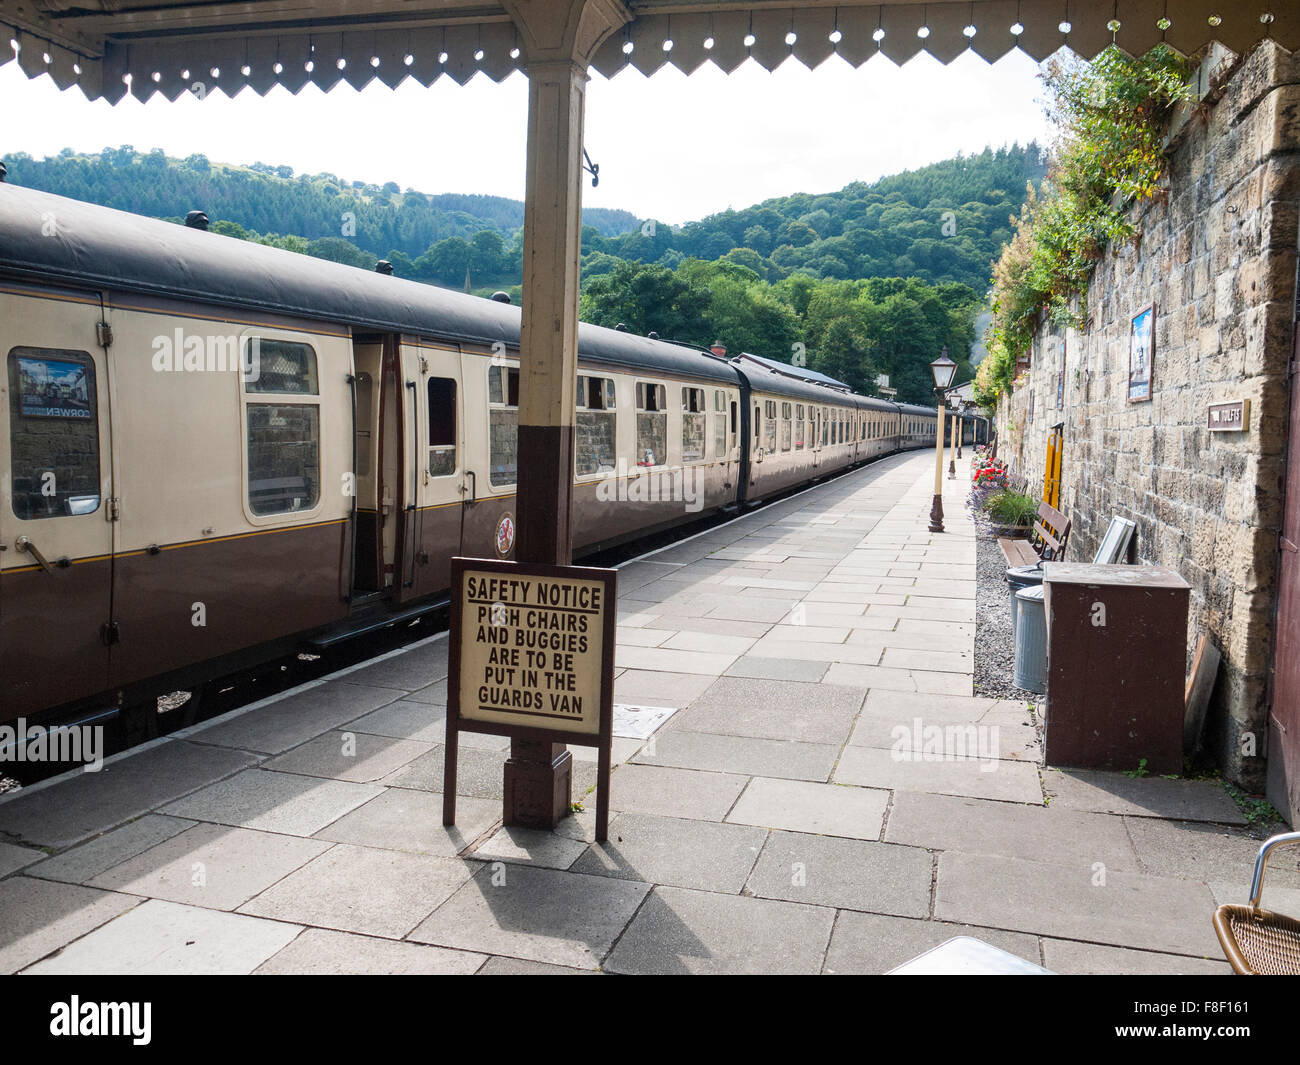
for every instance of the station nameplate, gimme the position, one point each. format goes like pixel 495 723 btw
pixel 532 647
pixel 1231 417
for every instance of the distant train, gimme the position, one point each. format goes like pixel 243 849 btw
pixel 234 452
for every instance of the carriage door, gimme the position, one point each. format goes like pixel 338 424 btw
pixel 373 523
pixel 56 510
pixel 436 469
pixel 1284 713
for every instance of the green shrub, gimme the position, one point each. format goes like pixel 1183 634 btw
pixel 1011 508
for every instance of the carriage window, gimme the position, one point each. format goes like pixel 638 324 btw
pixel 720 448
pixel 694 425
pixel 826 429
pixel 503 424
pixel 798 426
pixel 283 366
pixel 651 424
pixel 769 425
pixel 787 426
pixel 54 433
pixel 283 437
pixel 283 457
pixel 442 426
pixel 597 436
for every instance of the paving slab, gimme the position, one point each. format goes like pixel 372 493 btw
pixel 274 802
pixel 1036 833
pixel 1194 850
pixel 720 626
pixel 88 860
pixel 322 952
pixel 1015 743
pixel 659 689
pixel 739 754
pixel 777 669
pixel 13 858
pixel 1118 793
pixel 1130 910
pixel 362 889
pixel 903 707
pixel 773 709
pixel 805 806
pixel 870 943
pixel 435 694
pixel 347 754
pixel 211 865
pixel 676 851
pixel 420 722
pixel 709 663
pixel 282 723
pixel 672 792
pixel 872 767
pixel 501 966
pixel 479 773
pixel 529 846
pixel 1071 958
pixel 402 819
pixel 844 873
pixel 683 931
pixel 409 671
pixel 160 938
pixel 936 661
pixel 41 916
pixel 543 915
pixel 1277 899
pixel 405 719
pixel 636 721
pixel 80 806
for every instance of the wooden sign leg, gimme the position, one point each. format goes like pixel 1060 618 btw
pixel 449 774
pixel 602 788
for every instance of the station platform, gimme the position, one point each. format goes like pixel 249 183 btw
pixel 778 805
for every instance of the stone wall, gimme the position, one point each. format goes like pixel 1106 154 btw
pixel 1217 258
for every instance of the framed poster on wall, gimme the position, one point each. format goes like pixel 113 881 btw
pixel 1141 355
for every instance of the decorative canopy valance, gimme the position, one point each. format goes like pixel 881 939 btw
pixel 112 47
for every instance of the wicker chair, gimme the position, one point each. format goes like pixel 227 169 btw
pixel 1257 941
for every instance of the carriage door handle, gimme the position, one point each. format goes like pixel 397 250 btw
pixel 24 543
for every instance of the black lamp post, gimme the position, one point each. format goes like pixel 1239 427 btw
pixel 942 369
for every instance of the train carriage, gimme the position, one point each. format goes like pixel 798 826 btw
pixel 215 452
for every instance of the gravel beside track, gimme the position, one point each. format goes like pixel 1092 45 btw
pixel 994 640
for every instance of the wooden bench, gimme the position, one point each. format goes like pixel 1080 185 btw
pixel 1017 552
pixel 1051 533
pixel 1047 541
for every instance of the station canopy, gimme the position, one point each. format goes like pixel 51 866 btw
pixel 110 48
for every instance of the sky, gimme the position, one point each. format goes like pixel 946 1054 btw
pixel 669 147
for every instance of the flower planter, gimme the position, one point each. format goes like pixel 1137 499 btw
pixel 1005 532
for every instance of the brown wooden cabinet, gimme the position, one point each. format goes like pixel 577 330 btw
pixel 1117 651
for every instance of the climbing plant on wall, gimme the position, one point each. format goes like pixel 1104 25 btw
pixel 1111 115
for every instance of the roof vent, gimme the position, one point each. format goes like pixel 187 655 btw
pixel 196 220
pixel 719 349
pixel 620 328
pixel 501 297
pixel 653 335
pixel 383 267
